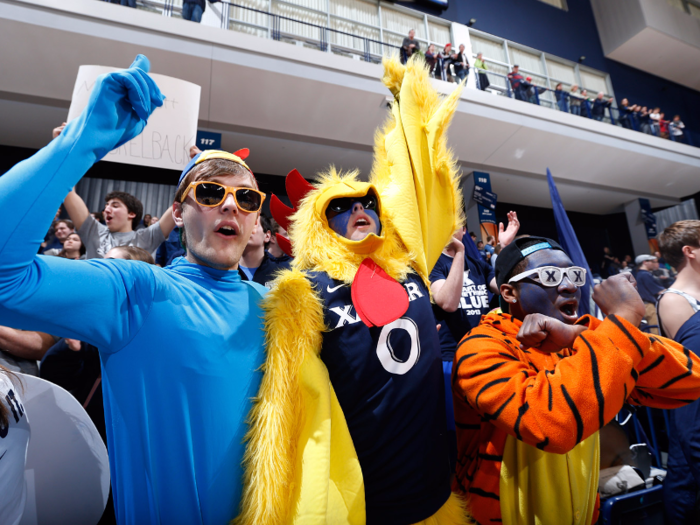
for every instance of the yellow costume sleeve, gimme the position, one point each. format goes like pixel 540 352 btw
pixel 300 464
pixel 415 172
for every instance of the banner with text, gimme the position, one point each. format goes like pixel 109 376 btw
pixel 649 224
pixel 171 129
pixel 487 213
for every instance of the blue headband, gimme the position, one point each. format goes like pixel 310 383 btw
pixel 535 248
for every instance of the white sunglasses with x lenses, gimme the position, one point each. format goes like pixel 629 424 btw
pixel 553 275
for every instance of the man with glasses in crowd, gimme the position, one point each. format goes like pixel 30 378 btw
pixel 533 386
pixel 180 347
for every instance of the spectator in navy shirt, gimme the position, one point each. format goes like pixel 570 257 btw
pixel 562 98
pixel 648 287
pixel 460 284
pixel 62 228
pixel 170 249
pixel 274 251
pixel 679 316
pixel 599 105
pixel 490 245
pixel 193 9
pixel 624 114
pixel 516 79
pixel 256 264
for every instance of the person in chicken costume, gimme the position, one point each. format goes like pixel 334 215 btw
pixel 349 424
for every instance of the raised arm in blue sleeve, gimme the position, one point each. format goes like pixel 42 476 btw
pixel 71 298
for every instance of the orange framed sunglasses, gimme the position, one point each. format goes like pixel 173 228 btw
pixel 212 194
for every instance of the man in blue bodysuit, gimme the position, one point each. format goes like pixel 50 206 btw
pixel 179 347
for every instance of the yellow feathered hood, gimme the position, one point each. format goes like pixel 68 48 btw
pixel 415 178
pixel 318 248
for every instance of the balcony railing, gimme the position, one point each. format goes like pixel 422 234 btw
pixel 326 39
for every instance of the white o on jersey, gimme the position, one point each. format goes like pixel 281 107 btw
pixel 386 354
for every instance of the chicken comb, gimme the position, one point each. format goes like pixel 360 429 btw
pixel 242 153
pixel 297 188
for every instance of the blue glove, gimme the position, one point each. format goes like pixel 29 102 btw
pixel 118 109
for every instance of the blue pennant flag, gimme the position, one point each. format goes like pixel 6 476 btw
pixel 470 247
pixel 568 241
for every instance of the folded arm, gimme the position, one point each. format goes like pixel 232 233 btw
pixel 552 410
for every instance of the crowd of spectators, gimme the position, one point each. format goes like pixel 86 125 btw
pixel 639 118
pixel 75 365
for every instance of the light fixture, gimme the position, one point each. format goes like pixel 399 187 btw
pixel 471 22
pixel 581 59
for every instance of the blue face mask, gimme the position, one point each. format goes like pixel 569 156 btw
pixel 344 209
pixel 559 302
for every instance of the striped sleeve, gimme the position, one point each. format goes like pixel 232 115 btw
pixel 669 375
pixel 551 410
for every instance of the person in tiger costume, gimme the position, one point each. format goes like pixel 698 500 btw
pixel 533 386
pixel 349 424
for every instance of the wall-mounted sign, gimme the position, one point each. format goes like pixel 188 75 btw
pixel 208 140
pixel 485 198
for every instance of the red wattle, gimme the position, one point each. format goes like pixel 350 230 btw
pixel 378 298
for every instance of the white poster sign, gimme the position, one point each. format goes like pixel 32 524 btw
pixel 171 129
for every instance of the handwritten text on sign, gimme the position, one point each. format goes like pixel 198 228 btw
pixel 171 129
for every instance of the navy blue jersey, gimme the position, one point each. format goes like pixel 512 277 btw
pixel 267 271
pixel 389 383
pixel 448 345
pixel 475 293
pixel 683 479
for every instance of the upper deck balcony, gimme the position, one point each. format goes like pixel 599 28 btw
pixel 295 106
pixel 661 37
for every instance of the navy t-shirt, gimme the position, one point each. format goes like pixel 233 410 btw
pixel 389 383
pixel 266 272
pixel 647 286
pixel 448 345
pixel 475 293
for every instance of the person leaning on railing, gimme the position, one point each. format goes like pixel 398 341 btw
pixel 461 64
pixel 575 101
pixel 599 106
pixel 444 61
pixel 676 128
pixel 409 46
pixel 624 112
pixel 562 98
pixel 431 57
pixel 480 67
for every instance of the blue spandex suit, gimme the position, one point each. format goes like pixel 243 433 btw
pixel 180 347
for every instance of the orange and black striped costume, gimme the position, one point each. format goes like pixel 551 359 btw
pixel 553 401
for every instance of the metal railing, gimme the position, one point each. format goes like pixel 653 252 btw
pixel 371 50
pixel 531 93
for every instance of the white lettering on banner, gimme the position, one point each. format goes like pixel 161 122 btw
pixel 413 291
pixel 171 129
pixel 385 352
pixel 475 298
pixel 344 315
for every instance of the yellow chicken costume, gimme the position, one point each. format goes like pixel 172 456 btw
pixel 348 427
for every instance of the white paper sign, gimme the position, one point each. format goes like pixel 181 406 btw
pixel 171 129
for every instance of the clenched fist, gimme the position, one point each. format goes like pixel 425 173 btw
pixel 618 296
pixel 547 334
